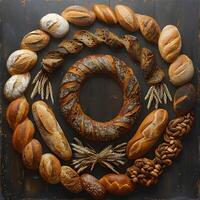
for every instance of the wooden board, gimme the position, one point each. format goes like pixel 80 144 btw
pixel 101 97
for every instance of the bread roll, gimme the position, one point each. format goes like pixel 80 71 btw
pixel 50 168
pixel 93 186
pixel 126 18
pixel 17 112
pixel 169 43
pixel 35 40
pixel 147 134
pixel 184 99
pixel 16 85
pixel 22 135
pixel 117 184
pixel 105 13
pixel 79 15
pixel 181 71
pixel 50 130
pixel 21 61
pixel 55 25
pixel 70 179
pixel 31 154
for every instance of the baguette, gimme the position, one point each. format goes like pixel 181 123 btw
pixel 147 134
pixel 50 130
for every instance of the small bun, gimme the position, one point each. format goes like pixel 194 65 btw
pixel 181 71
pixel 169 43
pixel 21 61
pixel 35 40
pixel 50 168
pixel 22 135
pixel 17 112
pixel 104 13
pixel 31 154
pixel 55 25
pixel 70 179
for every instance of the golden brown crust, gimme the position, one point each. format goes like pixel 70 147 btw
pixel 50 168
pixel 93 186
pixel 22 135
pixel 147 134
pixel 117 184
pixel 69 97
pixel 126 18
pixel 79 15
pixel 50 130
pixel 105 13
pixel 35 40
pixel 149 28
pixel 170 43
pixel 17 112
pixel 31 154
pixel 70 179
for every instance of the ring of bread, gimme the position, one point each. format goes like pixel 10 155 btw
pixel 70 105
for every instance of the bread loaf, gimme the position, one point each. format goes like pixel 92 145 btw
pixel 50 168
pixel 169 43
pixel 93 186
pixel 35 40
pixel 105 13
pixel 70 179
pixel 50 130
pixel 79 15
pixel 181 70
pixel 21 61
pixel 126 18
pixel 117 184
pixel 22 135
pixel 17 112
pixel 55 25
pixel 31 154
pixel 16 85
pixel 147 134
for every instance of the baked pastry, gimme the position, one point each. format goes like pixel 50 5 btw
pixel 169 43
pixel 31 154
pixel 70 179
pixel 55 25
pixel 70 104
pixel 147 134
pixel 35 40
pixel 79 15
pixel 105 13
pixel 50 168
pixel 126 18
pixel 181 71
pixel 50 130
pixel 17 112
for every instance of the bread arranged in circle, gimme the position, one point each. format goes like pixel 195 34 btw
pixel 70 104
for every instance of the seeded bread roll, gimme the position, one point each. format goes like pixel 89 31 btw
pixel 147 134
pixel 50 130
pixel 50 168
pixel 35 40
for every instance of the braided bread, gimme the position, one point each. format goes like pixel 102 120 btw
pixel 153 74
pixel 69 97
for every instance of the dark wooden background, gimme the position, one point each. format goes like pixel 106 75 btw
pixel 101 97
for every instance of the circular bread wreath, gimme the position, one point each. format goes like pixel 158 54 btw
pixel 144 171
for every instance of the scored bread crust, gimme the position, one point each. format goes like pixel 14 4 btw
pixel 70 103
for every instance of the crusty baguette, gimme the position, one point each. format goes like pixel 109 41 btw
pixel 147 134
pixel 50 130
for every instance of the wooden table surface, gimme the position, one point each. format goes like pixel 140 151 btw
pixel 101 96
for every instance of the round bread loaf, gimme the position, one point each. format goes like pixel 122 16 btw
pixel 70 103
